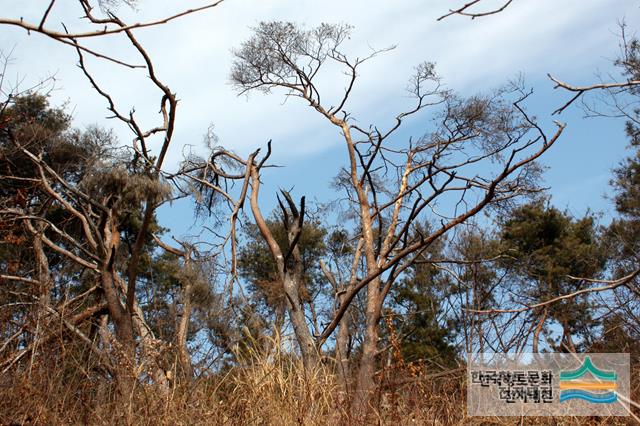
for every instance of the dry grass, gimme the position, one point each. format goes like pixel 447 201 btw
pixel 263 391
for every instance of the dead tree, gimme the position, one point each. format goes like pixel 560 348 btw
pixel 392 186
pixel 209 175
pixel 289 266
pixel 98 204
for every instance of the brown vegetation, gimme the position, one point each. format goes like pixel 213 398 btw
pixel 363 321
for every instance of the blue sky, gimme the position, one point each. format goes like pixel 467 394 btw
pixel 572 40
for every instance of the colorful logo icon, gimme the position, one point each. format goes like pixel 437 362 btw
pixel 599 390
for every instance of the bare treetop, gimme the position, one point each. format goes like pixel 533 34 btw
pixel 283 54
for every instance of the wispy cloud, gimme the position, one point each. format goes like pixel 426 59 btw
pixel 193 56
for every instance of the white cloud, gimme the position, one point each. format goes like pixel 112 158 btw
pixel 192 56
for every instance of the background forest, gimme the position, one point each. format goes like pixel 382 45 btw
pixel 148 279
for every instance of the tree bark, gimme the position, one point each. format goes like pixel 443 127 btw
pixel 566 337
pixel 306 342
pixel 536 333
pixel 291 275
pixel 366 384
pixel 342 353
pixel 183 330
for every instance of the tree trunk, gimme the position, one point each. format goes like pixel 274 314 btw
pixel 366 381
pixel 109 284
pixel 44 298
pixel 342 353
pixel 183 330
pixel 277 327
pixel 536 333
pixel 291 276
pixel 151 348
pixel 566 337
pixel 306 342
pixel 121 321
pixel 366 384
pixel 44 275
pixel 152 352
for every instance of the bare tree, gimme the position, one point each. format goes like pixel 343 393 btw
pixel 391 186
pixel 110 24
pixel 97 208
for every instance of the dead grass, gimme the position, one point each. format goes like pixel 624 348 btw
pixel 262 391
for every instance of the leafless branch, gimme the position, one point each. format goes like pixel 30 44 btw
pixel 463 11
pixel 611 284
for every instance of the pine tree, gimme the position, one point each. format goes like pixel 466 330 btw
pixel 547 248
